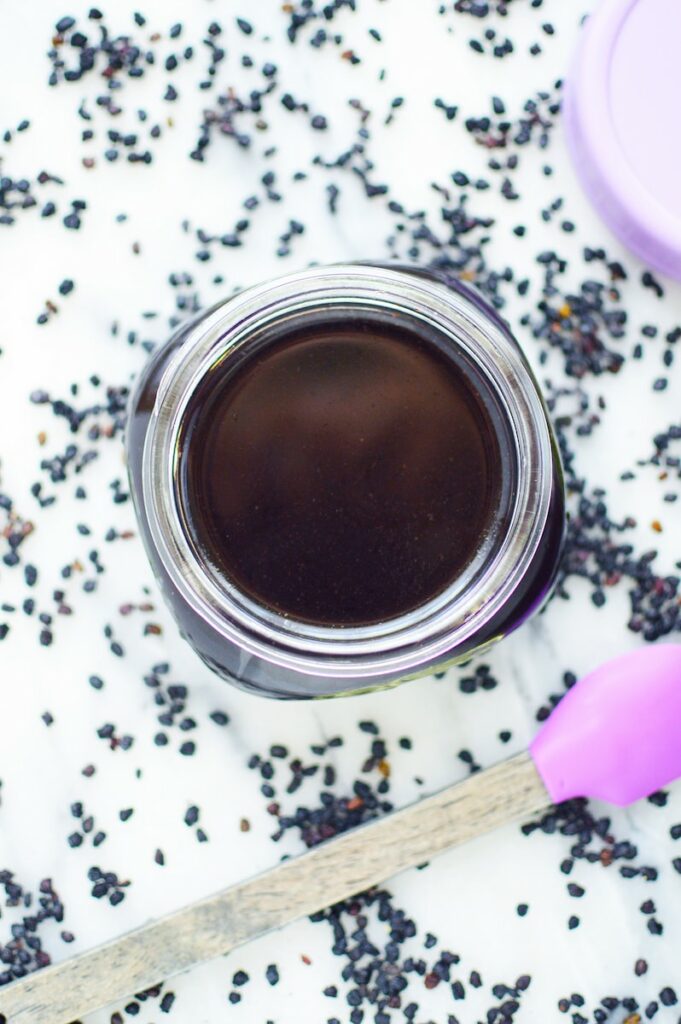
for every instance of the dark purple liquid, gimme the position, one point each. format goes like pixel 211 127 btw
pixel 341 476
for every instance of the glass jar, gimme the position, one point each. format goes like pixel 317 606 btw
pixel 266 651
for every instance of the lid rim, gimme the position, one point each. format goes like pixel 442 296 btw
pixel 623 201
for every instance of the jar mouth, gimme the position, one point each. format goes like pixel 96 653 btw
pixel 402 643
pixel 315 565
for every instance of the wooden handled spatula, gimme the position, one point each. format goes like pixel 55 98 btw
pixel 615 736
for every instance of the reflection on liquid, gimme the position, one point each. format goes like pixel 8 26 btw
pixel 342 477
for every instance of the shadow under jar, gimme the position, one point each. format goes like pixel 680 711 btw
pixel 345 478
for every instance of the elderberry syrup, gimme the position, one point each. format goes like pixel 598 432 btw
pixel 345 478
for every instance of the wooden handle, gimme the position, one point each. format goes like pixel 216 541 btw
pixel 331 872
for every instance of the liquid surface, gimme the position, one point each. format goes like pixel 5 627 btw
pixel 341 477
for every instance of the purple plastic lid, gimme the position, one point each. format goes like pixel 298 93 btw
pixel 622 109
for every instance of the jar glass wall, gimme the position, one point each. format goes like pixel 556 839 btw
pixel 260 646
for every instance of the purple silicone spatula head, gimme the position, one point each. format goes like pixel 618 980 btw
pixel 616 735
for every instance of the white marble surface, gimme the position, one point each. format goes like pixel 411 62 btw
pixel 468 898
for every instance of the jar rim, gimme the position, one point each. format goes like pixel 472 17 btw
pixel 399 645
